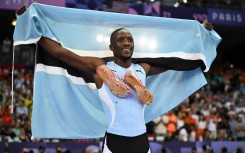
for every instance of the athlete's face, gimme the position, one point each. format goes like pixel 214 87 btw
pixel 122 45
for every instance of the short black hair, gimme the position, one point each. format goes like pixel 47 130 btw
pixel 113 34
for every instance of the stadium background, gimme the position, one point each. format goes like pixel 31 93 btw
pixel 227 16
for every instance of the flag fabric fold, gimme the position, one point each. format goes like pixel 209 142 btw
pixel 66 102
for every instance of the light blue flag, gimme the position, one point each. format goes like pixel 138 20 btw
pixel 66 104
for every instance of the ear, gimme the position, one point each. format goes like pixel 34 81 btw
pixel 111 47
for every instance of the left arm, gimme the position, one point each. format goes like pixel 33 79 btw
pixel 151 70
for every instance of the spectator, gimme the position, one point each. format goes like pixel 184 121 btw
pixel 240 128
pixel 240 108
pixel 16 127
pixel 184 133
pixel 6 45
pixel 239 150
pixel 91 149
pixel 206 149
pixel 172 121
pixel 25 150
pixel 10 135
pixel 180 121
pixel 212 127
pixel 224 150
pixel 41 149
pixel 23 137
pixel 222 135
pixel 19 80
pixel 7 118
pixel 164 150
pixel 58 149
pixel 223 126
pixel 206 136
pixel 21 110
pixel 201 125
pixel 160 126
pixel 193 150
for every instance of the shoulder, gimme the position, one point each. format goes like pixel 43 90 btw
pixel 110 64
pixel 139 69
pixel 146 67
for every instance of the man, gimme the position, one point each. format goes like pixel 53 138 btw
pixel 127 131
pixel 123 103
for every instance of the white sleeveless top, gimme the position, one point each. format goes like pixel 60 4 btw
pixel 125 115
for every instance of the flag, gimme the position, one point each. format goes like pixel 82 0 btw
pixel 66 103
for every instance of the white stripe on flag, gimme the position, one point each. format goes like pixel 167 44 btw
pixel 61 71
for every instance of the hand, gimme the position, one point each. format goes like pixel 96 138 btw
pixel 21 10
pixel 207 25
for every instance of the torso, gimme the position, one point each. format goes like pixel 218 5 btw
pixel 125 116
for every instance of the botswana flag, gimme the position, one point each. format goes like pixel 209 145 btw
pixel 66 102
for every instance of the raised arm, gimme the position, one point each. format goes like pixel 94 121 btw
pixel 82 63
pixel 151 70
pixel 54 48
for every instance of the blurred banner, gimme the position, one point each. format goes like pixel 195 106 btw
pixel 199 14
pixel 15 4
pixel 215 16
pixel 226 17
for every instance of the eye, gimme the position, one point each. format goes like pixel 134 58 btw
pixel 120 40
pixel 130 40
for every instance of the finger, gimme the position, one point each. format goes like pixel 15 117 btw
pixel 208 25
pixel 21 10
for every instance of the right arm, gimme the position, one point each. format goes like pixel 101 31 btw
pixel 83 63
pixel 68 57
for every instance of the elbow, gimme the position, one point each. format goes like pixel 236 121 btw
pixel 52 48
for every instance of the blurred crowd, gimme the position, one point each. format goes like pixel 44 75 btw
pixel 16 126
pixel 215 112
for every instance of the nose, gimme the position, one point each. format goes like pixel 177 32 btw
pixel 127 43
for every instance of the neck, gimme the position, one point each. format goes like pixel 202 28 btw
pixel 125 64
